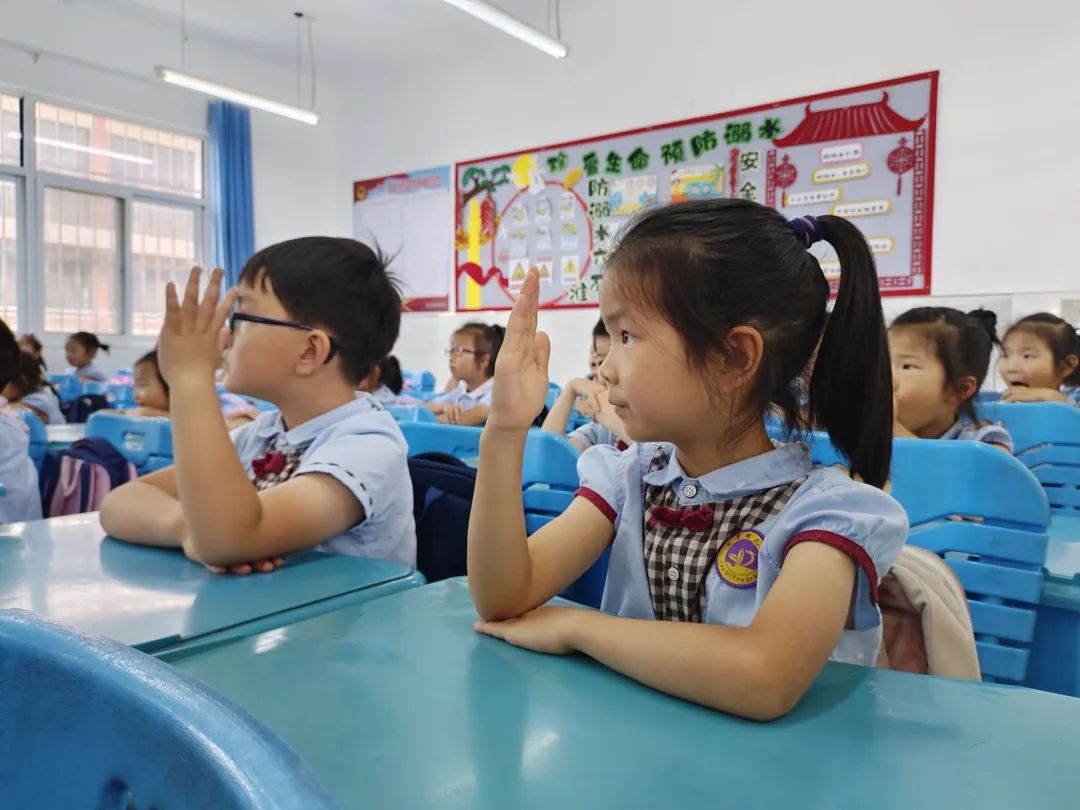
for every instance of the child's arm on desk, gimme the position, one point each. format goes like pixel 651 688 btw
pixel 145 511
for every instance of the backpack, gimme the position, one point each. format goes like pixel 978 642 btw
pixel 443 489
pixel 81 476
pixel 78 410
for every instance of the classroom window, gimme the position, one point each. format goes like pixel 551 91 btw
pixel 163 240
pixel 96 147
pixel 10 130
pixel 82 261
pixel 9 269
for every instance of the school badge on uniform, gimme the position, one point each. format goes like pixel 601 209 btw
pixel 737 560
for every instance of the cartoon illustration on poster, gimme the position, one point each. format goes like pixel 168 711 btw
pixel 865 153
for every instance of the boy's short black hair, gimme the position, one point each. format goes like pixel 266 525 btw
pixel 339 285
pixel 9 355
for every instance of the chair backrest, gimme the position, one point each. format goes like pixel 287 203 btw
pixel 410 413
pixel 417 381
pixel 39 439
pixel 127 730
pixel 1046 438
pixel 122 395
pixel 141 440
pixel 987 515
pixel 67 386
pixel 554 390
pixel 987 396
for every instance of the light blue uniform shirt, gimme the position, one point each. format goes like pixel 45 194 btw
pixel 361 446
pixel 17 472
pixel 481 395
pixel 594 433
pixel 828 507
pixel 90 373
pixel 1072 395
pixel 989 432
pixel 45 401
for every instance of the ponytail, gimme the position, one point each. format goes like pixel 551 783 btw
pixel 90 342
pixel 851 386
pixel 390 374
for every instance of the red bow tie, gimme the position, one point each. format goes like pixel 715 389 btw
pixel 270 464
pixel 694 519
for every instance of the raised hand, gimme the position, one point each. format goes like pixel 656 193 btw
pixel 520 388
pixel 189 337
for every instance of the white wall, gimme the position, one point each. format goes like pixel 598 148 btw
pixel 1006 216
pixel 296 187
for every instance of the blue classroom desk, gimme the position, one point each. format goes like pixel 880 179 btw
pixel 398 703
pixel 67 570
pixel 1055 650
pixel 62 437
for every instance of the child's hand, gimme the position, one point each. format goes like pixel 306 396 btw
pixel 1021 394
pixel 521 376
pixel 451 414
pixel 586 392
pixel 189 338
pixel 243 569
pixel 546 629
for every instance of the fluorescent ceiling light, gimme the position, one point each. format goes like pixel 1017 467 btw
pixel 239 96
pixel 511 25
pixel 92 150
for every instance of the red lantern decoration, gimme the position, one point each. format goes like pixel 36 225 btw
pixel 901 160
pixel 785 176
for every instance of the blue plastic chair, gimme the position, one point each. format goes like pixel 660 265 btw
pixel 67 386
pixel 144 441
pixel 418 381
pixel 998 559
pixel 553 394
pixel 39 438
pixel 1046 438
pixel 91 723
pixel 988 396
pixel 410 413
pixel 98 388
pixel 121 395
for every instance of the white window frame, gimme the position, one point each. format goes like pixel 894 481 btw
pixel 30 205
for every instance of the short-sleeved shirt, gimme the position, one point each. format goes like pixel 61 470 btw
pixel 21 500
pixel 1072 396
pixel 594 433
pixel 481 395
pixel 988 432
pixel 384 396
pixel 90 373
pixel 360 446
pixel 45 401
pixel 709 549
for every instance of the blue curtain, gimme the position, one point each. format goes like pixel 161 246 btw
pixel 232 215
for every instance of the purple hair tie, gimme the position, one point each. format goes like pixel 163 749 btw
pixel 806 228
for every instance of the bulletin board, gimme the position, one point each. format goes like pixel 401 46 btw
pixel 409 217
pixel 865 153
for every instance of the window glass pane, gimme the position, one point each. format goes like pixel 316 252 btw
pixel 10 130
pixel 9 233
pixel 163 250
pixel 81 262
pixel 100 148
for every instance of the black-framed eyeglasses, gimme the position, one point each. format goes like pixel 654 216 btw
pixel 335 347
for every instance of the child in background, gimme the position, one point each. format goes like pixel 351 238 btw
pixel 327 470
pixel 21 500
pixel 737 568
pixel 1040 360
pixel 151 390
pixel 82 348
pixel 601 345
pixel 940 357
pixel 32 346
pixel 29 389
pixel 472 352
pixel 588 396
pixel 385 382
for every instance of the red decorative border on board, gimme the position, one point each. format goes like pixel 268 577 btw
pixel 888 286
pixel 770 178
